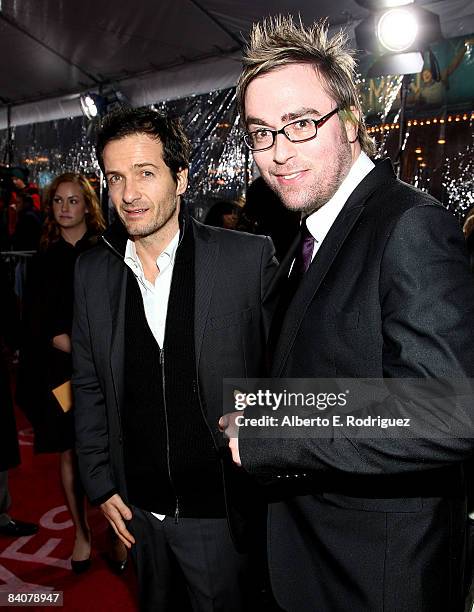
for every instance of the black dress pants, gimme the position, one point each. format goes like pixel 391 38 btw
pixel 202 551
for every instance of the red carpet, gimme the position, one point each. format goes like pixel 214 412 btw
pixel 41 561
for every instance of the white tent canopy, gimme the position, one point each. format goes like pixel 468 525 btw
pixel 51 51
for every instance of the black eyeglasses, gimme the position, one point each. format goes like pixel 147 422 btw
pixel 299 130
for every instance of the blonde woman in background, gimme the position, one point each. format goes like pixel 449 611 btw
pixel 73 224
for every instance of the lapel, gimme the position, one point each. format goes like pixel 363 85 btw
pixel 205 262
pixel 117 286
pixel 323 260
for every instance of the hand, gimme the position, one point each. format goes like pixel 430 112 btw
pixel 230 430
pixel 115 512
pixel 62 342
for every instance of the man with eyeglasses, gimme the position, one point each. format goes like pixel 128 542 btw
pixel 378 286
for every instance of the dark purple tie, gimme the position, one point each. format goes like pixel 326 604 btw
pixel 304 253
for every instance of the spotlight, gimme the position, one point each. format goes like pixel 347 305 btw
pixel 397 29
pixel 91 105
pixel 409 28
pixel 397 35
pixel 97 105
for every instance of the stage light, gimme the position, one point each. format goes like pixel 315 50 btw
pixel 397 36
pixel 97 105
pixel 90 105
pixel 397 29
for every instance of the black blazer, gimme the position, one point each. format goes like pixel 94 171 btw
pixel 232 275
pixel 372 524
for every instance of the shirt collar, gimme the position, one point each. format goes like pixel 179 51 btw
pixel 320 221
pixel 165 259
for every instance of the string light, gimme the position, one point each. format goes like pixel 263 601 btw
pixel 414 122
pixel 32 161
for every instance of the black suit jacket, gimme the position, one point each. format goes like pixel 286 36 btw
pixel 232 274
pixel 373 524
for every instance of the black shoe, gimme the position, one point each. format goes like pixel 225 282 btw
pixel 79 567
pixel 17 529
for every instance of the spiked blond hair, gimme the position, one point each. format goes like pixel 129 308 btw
pixel 279 41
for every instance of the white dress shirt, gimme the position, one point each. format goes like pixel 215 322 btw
pixel 320 221
pixel 155 296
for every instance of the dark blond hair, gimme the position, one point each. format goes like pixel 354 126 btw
pixel 94 218
pixel 279 41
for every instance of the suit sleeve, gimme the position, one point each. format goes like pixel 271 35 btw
pixel 427 308
pixel 90 416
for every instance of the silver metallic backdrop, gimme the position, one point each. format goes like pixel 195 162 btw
pixel 220 166
pixel 219 159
